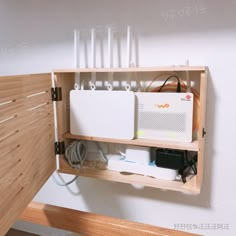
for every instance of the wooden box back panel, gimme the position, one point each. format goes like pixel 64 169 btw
pixel 27 156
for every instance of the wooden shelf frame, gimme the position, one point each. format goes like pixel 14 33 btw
pixel 193 146
pixel 65 79
pixel 135 69
pixel 93 169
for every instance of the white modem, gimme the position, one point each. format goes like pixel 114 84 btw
pixel 105 114
pixel 164 116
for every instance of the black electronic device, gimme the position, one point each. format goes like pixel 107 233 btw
pixel 180 160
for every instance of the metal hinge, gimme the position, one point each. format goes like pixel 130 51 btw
pixel 203 132
pixel 59 148
pixel 56 94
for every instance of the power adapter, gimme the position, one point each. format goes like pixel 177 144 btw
pixel 180 160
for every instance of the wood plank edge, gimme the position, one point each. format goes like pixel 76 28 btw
pixel 134 69
pixel 187 188
pixel 90 224
pixel 139 142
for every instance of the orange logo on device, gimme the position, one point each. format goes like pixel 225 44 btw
pixel 167 105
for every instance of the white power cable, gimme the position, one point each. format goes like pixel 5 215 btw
pixel 102 154
pixel 76 154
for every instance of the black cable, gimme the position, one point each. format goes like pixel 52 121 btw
pixel 178 89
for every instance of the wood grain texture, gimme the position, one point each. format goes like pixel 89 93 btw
pixel 203 92
pixel 13 87
pixel 27 156
pixel 89 224
pixel 66 82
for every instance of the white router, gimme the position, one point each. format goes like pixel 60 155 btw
pixel 164 116
pixel 105 114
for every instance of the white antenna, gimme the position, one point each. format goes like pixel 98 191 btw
pixel 128 46
pixel 110 57
pixel 93 51
pixel 77 58
pixel 128 83
pixel 109 47
pixel 188 78
pixel 76 48
pixel 93 58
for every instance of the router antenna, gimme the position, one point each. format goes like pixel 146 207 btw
pixel 109 47
pixel 188 78
pixel 93 50
pixel 93 58
pixel 110 56
pixel 77 57
pixel 128 46
pixel 76 48
pixel 128 84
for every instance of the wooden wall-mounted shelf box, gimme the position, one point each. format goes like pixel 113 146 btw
pixel 27 141
pixel 66 79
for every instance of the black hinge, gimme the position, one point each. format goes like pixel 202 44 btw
pixel 59 148
pixel 56 94
pixel 203 132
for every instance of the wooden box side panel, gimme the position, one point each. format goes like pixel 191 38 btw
pixel 201 132
pixel 66 82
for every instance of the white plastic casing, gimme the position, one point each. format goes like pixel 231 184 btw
pixel 138 154
pixel 164 116
pixel 119 164
pixel 105 114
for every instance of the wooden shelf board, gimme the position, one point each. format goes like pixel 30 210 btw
pixel 85 223
pixel 193 146
pixel 93 172
pixel 134 69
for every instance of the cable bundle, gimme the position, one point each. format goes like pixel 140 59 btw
pixel 76 154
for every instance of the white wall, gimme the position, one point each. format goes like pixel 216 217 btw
pixel 36 36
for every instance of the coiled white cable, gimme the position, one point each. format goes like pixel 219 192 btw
pixel 76 154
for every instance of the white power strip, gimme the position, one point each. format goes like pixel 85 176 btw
pixel 119 164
